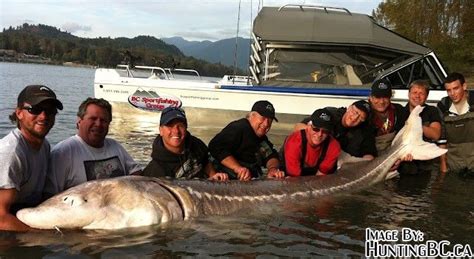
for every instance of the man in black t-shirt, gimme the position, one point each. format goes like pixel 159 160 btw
pixel 242 148
pixel 431 121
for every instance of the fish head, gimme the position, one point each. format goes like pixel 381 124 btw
pixel 115 203
pixel 73 208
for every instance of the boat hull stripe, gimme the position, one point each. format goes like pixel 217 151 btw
pixel 326 91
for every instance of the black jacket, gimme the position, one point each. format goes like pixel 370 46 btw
pixel 356 141
pixel 188 165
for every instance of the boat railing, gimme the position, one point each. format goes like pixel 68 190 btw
pixel 191 71
pixel 157 71
pixel 325 8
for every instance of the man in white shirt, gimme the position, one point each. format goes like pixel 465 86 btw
pixel 88 155
pixel 24 154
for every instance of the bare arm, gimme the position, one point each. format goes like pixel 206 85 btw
pixel 8 221
pixel 243 173
pixel 432 131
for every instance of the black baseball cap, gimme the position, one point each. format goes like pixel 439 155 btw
pixel 321 118
pixel 381 88
pixel 35 94
pixel 265 108
pixel 172 113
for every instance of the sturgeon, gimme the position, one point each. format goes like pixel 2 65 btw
pixel 134 201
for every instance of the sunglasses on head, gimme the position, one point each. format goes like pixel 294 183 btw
pixel 37 110
pixel 317 130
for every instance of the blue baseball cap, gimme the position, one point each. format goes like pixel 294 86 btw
pixel 172 113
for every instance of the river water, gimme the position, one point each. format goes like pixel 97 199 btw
pixel 439 206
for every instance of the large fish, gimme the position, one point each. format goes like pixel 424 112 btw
pixel 134 201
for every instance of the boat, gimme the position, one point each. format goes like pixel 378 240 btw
pixel 303 57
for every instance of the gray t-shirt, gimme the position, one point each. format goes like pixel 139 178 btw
pixel 74 162
pixel 23 168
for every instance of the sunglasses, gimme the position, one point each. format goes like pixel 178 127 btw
pixel 317 130
pixel 37 110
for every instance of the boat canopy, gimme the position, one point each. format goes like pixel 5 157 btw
pixel 323 25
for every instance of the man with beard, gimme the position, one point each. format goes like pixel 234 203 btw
pixel 25 152
pixel 178 154
pixel 242 148
pixel 88 155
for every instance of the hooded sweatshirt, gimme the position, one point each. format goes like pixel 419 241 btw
pixel 190 164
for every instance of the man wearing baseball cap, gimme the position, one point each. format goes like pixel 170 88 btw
pixel 351 130
pixel 387 117
pixel 242 148
pixel 24 153
pixel 178 154
pixel 312 150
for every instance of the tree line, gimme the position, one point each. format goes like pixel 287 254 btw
pixel 446 26
pixel 49 42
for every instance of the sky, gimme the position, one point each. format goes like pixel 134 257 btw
pixel 191 19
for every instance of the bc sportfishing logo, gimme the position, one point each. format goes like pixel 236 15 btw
pixel 151 101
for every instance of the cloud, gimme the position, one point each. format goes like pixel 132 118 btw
pixel 29 21
pixel 190 19
pixel 74 27
pixel 196 35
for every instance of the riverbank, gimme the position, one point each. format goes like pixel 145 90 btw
pixel 8 55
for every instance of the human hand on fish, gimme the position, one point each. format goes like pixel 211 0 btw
pixel 275 173
pixel 406 158
pixel 243 173
pixel 220 177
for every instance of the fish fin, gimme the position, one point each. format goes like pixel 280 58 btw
pixel 427 151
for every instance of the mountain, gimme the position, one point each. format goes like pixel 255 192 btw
pixel 54 46
pixel 221 51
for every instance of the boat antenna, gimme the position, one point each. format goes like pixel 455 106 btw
pixel 236 44
pixel 250 35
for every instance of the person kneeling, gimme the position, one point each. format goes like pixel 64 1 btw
pixel 312 150
pixel 178 154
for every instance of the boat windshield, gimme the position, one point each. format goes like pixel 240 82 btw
pixel 353 66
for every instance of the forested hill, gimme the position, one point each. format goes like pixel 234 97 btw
pixel 446 26
pixel 58 46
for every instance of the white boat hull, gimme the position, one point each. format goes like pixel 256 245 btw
pixel 213 96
